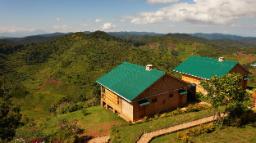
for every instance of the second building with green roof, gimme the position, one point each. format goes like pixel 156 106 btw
pixel 197 68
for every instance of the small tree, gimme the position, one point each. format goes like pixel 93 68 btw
pixel 68 131
pixel 225 92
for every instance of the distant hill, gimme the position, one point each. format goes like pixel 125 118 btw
pixel 226 38
pixel 133 33
pixel 219 36
pixel 3 37
pixel 33 38
pixel 45 37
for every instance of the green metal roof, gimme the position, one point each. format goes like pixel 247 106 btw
pixel 205 67
pixel 129 80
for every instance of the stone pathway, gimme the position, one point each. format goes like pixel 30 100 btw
pixel 147 137
pixel 103 139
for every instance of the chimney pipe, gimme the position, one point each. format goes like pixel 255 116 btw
pixel 149 67
pixel 221 59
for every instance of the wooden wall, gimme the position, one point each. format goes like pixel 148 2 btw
pixel 127 110
pixel 165 91
pixel 117 104
pixel 111 99
pixel 239 69
pixel 197 81
pixel 254 98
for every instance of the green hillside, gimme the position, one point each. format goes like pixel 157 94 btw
pixel 56 77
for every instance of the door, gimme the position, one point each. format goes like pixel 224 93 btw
pixel 192 92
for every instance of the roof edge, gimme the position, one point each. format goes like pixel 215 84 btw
pixel 191 75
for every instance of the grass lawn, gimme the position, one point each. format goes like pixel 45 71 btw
pixel 39 122
pixel 96 121
pixel 246 134
pixel 130 133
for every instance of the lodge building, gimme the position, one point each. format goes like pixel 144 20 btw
pixel 196 69
pixel 134 92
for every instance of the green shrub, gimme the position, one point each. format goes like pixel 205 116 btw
pixel 85 112
pixel 83 97
pixel 201 97
pixel 65 105
pixel 52 108
pixel 68 132
pixel 75 107
pixel 185 136
pixel 188 109
pixel 240 116
pixel 196 107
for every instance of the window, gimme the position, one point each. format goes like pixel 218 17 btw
pixel 143 102
pixel 182 92
pixel 246 77
pixel 154 100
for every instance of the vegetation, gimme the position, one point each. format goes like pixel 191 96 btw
pixel 202 129
pixel 90 122
pixel 55 76
pixel 222 92
pixel 10 117
pixel 226 92
pixel 131 133
pixel 245 134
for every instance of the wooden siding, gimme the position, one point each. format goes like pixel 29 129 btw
pixel 241 70
pixel 254 98
pixel 127 110
pixel 197 81
pixel 165 94
pixel 111 99
pixel 118 105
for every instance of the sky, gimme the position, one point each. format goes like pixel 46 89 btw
pixel 30 17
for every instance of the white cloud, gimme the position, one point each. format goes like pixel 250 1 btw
pixel 84 25
pixel 201 11
pixel 161 1
pixel 14 29
pixel 58 19
pixel 62 28
pixel 97 20
pixel 107 26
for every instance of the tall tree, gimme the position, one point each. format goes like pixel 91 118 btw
pixel 10 116
pixel 225 92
